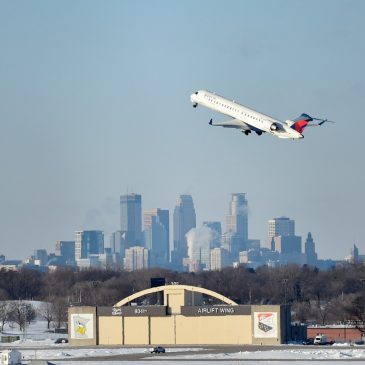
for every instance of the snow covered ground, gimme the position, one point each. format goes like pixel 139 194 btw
pixel 285 354
pixel 36 331
pixel 63 354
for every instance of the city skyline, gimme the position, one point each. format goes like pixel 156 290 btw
pixel 95 104
pixel 159 228
pixel 193 248
pixel 280 225
pixel 203 248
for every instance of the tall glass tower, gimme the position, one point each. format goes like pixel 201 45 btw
pixel 184 220
pixel 131 219
pixel 236 236
pixel 88 243
pixel 156 236
pixel 237 221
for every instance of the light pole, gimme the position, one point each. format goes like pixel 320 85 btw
pixel 285 282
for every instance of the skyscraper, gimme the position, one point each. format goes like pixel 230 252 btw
pixel 88 243
pixel 236 236
pixel 184 220
pixel 131 219
pixel 41 255
pixel 156 236
pixel 66 251
pixel 282 226
pixel 288 244
pixel 233 243
pixel 310 250
pixel 282 239
pixel 116 242
pixel 117 247
pixel 216 227
pixel 219 258
pixel 136 258
pixel 237 221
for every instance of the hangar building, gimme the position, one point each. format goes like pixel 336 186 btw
pixel 182 318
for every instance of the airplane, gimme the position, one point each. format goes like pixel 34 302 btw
pixel 248 120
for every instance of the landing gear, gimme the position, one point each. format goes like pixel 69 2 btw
pixel 195 105
pixel 247 132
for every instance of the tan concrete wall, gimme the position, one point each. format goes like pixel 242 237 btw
pixel 180 330
pixel 263 326
pixel 136 331
pixel 82 326
pixel 162 330
pixel 110 330
pixel 213 330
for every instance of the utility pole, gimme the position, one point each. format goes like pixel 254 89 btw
pixel 285 282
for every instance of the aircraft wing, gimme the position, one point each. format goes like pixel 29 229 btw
pixel 233 123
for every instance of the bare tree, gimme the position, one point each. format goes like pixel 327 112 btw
pixel 59 312
pixel 302 311
pixel 46 312
pixel 22 314
pixel 5 311
pixel 356 310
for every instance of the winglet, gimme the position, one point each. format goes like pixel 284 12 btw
pixel 322 121
pixel 211 121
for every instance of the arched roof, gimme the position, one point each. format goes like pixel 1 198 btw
pixel 175 287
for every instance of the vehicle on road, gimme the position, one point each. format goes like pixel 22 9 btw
pixel 61 340
pixel 322 340
pixel 158 350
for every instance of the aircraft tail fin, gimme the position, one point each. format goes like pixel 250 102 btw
pixel 301 122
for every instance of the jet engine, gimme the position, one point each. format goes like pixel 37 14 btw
pixel 270 125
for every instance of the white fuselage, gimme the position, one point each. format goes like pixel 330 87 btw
pixel 248 117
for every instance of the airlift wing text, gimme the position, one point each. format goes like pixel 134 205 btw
pixel 216 310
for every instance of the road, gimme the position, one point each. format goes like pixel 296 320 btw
pixel 210 350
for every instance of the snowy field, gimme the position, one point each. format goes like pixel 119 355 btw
pixel 275 357
pixel 64 354
pixel 37 343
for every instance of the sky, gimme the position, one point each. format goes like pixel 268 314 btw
pixel 95 103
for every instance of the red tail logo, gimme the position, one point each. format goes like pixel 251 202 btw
pixel 301 122
pixel 300 125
